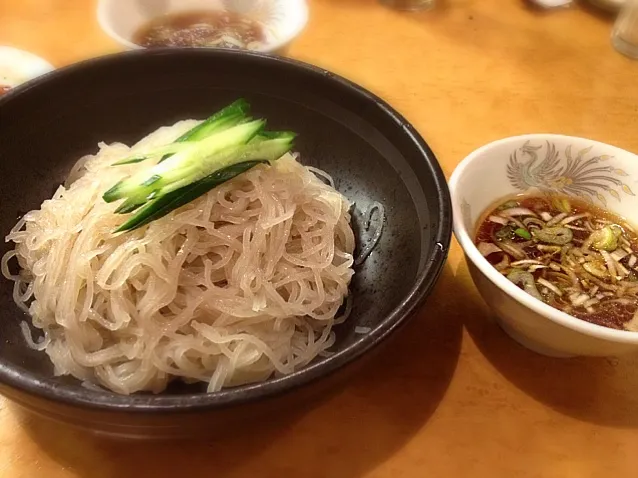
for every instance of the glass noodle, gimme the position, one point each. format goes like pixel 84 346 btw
pixel 241 283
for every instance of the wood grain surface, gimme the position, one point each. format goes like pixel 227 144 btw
pixel 452 395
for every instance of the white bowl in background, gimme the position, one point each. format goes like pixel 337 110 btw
pixel 283 20
pixel 511 166
pixel 18 66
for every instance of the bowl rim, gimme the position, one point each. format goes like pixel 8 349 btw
pixel 22 380
pixel 467 244
pixel 280 42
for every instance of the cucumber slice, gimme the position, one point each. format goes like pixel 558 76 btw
pixel 190 164
pixel 161 206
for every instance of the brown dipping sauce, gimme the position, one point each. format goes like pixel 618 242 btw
pixel 200 29
pixel 563 243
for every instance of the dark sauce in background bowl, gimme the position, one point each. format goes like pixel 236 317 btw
pixel 203 28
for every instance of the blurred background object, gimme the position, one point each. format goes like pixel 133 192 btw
pixel 204 23
pixel 410 5
pixel 552 3
pixel 18 66
pixel 608 5
pixel 624 35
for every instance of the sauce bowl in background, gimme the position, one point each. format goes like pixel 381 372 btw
pixel 282 20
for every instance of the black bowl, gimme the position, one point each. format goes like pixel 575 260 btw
pixel 374 154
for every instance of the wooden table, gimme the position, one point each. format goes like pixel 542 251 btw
pixel 453 396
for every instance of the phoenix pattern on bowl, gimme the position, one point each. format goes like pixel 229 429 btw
pixel 573 175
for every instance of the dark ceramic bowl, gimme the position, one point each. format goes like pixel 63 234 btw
pixel 374 154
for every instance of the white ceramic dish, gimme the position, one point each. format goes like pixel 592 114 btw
pixel 18 66
pixel 283 20
pixel 608 176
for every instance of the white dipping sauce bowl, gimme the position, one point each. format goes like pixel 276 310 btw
pixel 283 20
pixel 607 175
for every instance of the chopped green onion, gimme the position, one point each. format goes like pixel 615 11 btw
pixel 524 233
pixel 505 232
pixel 562 204
pixel 596 269
pixel 526 279
pixel 605 239
pixel 508 205
pixel 553 235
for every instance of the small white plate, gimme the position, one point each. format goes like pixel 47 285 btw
pixel 18 66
